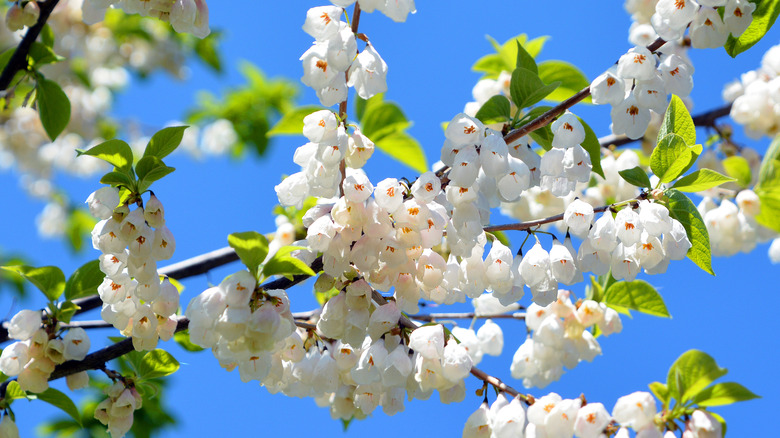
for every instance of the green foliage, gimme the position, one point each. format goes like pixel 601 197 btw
pixel 183 339
pixel 157 363
pixel 678 120
pixel 207 49
pixel 85 281
pixel 636 176
pixel 163 142
pixel 251 247
pixel 14 392
pixel 684 210
pixel 48 279
pixel 385 124
pixel 115 152
pixel 524 59
pixel 701 179
pixel 672 157
pixel 9 279
pixel 571 78
pixel 738 168
pixel 527 89
pixel 768 187
pixel 53 106
pixel 496 109
pixel 65 311
pixel 282 263
pixel 635 295
pixel 41 54
pixel 80 223
pixel 251 108
pixel 506 56
pixel 763 18
pixel 725 393
pixel 60 400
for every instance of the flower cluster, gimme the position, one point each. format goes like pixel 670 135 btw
pixel 330 65
pixel 19 16
pixel 131 243
pixel 186 16
pixel 708 29
pixel 116 411
pixel 567 163
pixel 38 351
pixel 754 97
pixel 554 416
pixel 560 338
pixel 733 227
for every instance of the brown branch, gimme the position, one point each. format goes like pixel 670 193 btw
pixel 355 23
pixel 18 60
pixel 430 317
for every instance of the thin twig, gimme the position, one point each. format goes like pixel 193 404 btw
pixel 429 317
pixel 18 60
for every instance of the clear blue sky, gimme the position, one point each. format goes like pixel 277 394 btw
pixel 729 316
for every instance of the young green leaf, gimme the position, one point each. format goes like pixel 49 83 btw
pixel 85 281
pixel 291 122
pixel 116 179
pixel 721 394
pixel 523 85
pixel 593 147
pixel 47 35
pixel 53 107
pixel 738 167
pixel 13 391
pixel 660 391
pixel 636 176
pixel 60 400
pixel 636 295
pixel 154 174
pixel 116 152
pixel 157 363
pixel 496 109
pixel 42 54
pixel 768 187
pixel 66 311
pixel 693 371
pixel 571 78
pixel 524 59
pixel 702 179
pixel 763 18
pixel 251 247
pixel 685 211
pixel 678 120
pixel 183 339
pixel 164 142
pixel 49 279
pixel 672 157
pixel 282 263
pixel 405 149
pixel 382 119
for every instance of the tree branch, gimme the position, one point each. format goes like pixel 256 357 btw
pixel 430 317
pixel 18 60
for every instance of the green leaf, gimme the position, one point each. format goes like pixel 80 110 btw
pixel 738 168
pixel 684 210
pixel 596 291
pixel 79 224
pixel 702 179
pixel 636 295
pixel 672 157
pixel 405 149
pixel 206 49
pixel 157 363
pixel 524 59
pixel 678 120
pixel 693 371
pixel 763 18
pixel 62 401
pixel 53 107
pixel 251 247
pixel 492 65
pixel 147 164
pixel 381 119
pixel 153 175
pixel 523 86
pixel 47 35
pixel 721 394
pixel 183 339
pixel 291 122
pixel 496 109
pixel 660 391
pixel 636 176
pixel 66 311
pixel 116 152
pixel 85 281
pixel 13 391
pixel 768 187
pixel 571 78
pixel 163 142
pixel 49 279
pixel 593 147
pixel 42 54
pixel 117 179
pixel 282 263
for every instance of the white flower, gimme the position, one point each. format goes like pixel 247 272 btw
pixel 608 88
pixel 578 217
pixel 103 202
pixel 635 410
pixel 738 15
pixel 322 22
pixel 428 341
pixel 630 118
pixel 638 63
pixel 368 73
pixel 707 29
pixel 76 344
pixel 567 131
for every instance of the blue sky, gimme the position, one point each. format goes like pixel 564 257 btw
pixel 729 316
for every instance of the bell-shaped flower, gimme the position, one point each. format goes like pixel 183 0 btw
pixel 76 344
pixel 738 15
pixel 103 202
pixel 708 30
pixel 368 73
pixel 567 131
pixel 635 410
pixel 322 22
pixel 578 217
pixel 629 226
pixel 638 63
pixel 608 88
pixel 428 341
pixel 630 118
